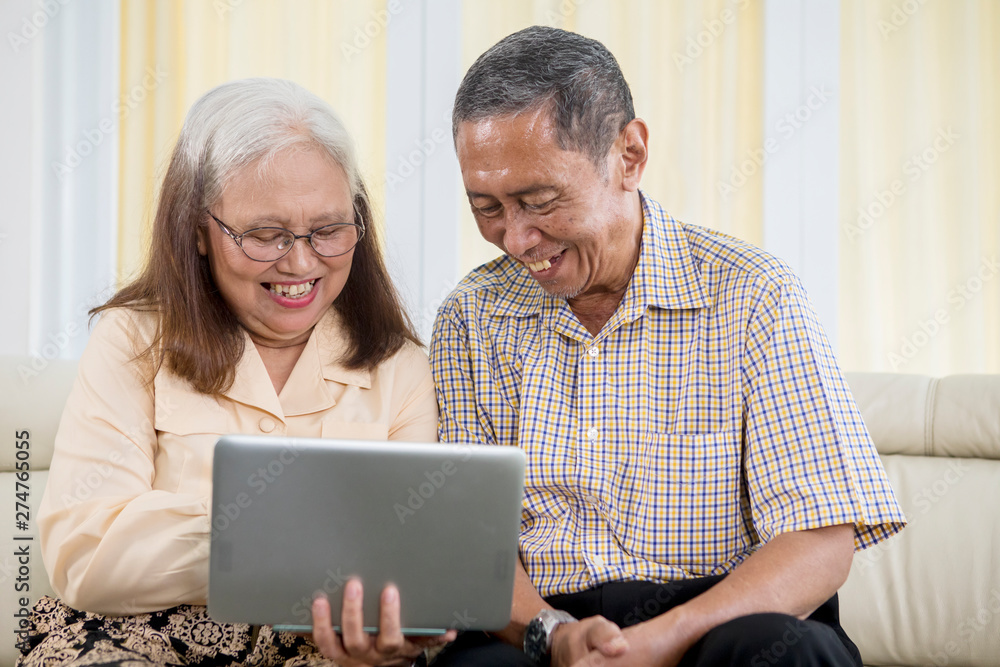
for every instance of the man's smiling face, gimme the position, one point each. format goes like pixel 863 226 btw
pixel 549 208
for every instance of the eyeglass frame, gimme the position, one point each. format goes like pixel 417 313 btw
pixel 238 238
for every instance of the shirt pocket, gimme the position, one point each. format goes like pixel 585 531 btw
pixel 345 430
pixel 681 500
pixel 187 428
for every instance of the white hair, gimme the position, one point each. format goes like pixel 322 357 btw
pixel 247 122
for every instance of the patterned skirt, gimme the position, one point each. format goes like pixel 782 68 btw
pixel 184 635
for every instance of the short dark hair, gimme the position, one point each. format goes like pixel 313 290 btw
pixel 590 99
pixel 238 126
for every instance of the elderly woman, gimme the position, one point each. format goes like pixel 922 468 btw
pixel 264 307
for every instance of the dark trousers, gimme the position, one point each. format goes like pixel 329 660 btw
pixel 757 640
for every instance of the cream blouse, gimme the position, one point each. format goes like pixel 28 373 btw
pixel 124 520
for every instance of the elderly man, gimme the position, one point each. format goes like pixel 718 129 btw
pixel 698 474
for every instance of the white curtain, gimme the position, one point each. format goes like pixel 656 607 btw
pixel 695 68
pixel 59 173
pixel 920 203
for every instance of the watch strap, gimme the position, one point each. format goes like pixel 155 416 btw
pixel 538 636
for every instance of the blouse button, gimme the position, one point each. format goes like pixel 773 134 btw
pixel 267 424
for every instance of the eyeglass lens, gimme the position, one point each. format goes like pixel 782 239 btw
pixel 270 243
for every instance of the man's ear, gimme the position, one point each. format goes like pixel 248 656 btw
pixel 632 150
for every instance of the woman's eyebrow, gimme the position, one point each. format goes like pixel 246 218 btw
pixel 327 217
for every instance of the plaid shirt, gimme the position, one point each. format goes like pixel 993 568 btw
pixel 706 417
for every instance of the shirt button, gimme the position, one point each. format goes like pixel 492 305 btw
pixel 598 560
pixel 594 351
pixel 593 433
pixel 267 424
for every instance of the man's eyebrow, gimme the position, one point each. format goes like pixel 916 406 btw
pixel 530 190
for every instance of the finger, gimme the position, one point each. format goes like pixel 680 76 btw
pixel 425 641
pixel 606 637
pixel 389 641
pixel 594 659
pixel 356 641
pixel 446 638
pixel 323 635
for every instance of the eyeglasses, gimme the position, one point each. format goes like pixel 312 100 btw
pixel 268 244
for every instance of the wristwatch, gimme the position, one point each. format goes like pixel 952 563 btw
pixel 538 635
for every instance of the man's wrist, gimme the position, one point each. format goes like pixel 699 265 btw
pixel 685 627
pixel 540 631
pixel 557 633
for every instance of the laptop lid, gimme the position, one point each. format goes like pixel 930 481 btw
pixel 293 516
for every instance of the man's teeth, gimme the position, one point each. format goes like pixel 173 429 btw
pixel 293 291
pixel 539 266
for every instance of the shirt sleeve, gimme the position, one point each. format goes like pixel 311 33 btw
pixel 416 417
pixel 460 418
pixel 111 542
pixel 809 459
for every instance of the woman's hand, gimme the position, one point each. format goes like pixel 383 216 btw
pixel 354 647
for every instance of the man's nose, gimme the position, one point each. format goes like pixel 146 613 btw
pixel 520 233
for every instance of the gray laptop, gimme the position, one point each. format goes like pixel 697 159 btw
pixel 293 516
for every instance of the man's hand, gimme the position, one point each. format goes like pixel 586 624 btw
pixel 573 642
pixel 655 643
pixel 356 648
pixel 792 574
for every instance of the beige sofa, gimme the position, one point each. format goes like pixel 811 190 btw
pixel 32 393
pixel 929 596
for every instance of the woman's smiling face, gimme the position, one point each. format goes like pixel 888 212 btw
pixel 280 302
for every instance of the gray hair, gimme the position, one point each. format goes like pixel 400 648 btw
pixel 248 122
pixel 590 99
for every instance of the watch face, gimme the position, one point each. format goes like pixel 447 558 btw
pixel 535 640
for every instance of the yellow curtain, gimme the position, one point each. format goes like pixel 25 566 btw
pixel 173 51
pixel 920 202
pixel 695 68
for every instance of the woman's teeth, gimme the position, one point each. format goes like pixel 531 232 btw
pixel 293 291
pixel 539 266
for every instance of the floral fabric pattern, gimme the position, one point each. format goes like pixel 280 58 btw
pixel 184 635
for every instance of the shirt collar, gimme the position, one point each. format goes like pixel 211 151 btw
pixel 665 277
pixel 306 390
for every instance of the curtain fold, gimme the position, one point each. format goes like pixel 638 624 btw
pixel 173 51
pixel 920 147
pixel 695 68
pixel 920 206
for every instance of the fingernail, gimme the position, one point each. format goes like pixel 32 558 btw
pixel 390 595
pixel 319 595
pixel 353 590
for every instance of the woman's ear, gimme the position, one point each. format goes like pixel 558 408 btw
pixel 202 235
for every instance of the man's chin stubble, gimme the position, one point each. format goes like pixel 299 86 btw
pixel 562 292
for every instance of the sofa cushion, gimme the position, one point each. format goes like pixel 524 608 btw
pixel 958 415
pixel 931 594
pixel 21 576
pixel 34 393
